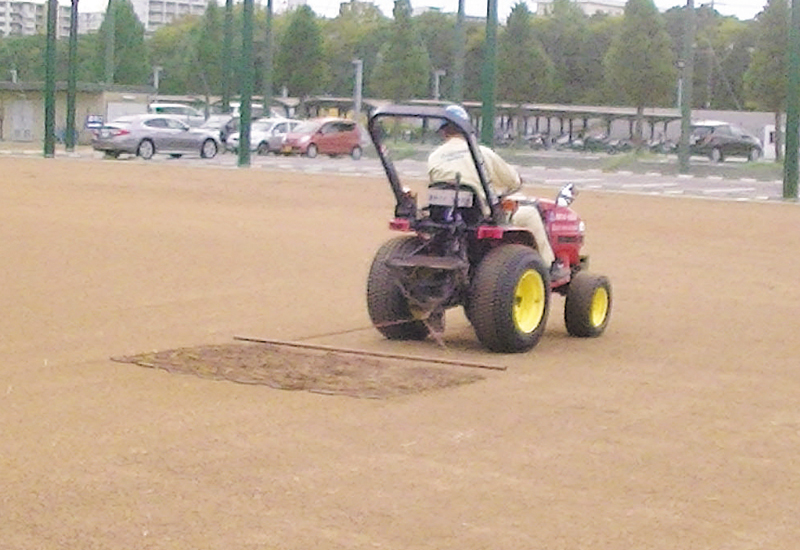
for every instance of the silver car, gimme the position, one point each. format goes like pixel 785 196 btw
pixel 147 135
pixel 266 135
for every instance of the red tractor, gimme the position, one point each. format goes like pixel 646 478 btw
pixel 453 254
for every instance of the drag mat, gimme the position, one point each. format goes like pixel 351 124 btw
pixel 318 371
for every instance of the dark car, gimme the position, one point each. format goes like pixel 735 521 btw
pixel 325 136
pixel 718 140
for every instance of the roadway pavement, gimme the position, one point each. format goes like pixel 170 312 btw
pixel 548 169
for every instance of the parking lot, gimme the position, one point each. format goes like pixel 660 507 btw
pixel 678 428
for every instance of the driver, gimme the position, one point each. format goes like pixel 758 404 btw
pixel 453 157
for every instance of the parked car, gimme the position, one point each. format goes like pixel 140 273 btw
pixel 185 113
pixel 224 125
pixel 266 135
pixel 719 140
pixel 327 136
pixel 147 135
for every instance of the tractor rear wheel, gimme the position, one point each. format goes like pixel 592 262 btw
pixel 588 305
pixel 388 307
pixel 510 299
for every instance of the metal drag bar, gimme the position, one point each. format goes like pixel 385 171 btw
pixel 372 353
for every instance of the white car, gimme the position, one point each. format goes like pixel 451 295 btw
pixel 185 113
pixel 266 135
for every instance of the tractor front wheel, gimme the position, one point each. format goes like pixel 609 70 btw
pixel 510 299
pixel 387 306
pixel 588 305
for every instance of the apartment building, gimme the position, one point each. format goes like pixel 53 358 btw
pixel 29 17
pixel 155 14
pixel 589 7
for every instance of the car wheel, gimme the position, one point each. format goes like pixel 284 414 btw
pixel 356 153
pixel 755 154
pixel 209 149
pixel 146 149
pixel 716 155
pixel 262 149
pixel 311 152
pixel 510 299
pixel 588 305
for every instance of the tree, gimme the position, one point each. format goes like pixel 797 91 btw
pixel 356 33
pixel 403 69
pixel 563 34
pixel 299 60
pixel 130 63
pixel 766 79
pixel 640 62
pixel 209 63
pixel 438 32
pixel 524 71
pixel 172 47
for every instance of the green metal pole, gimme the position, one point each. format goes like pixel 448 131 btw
pixel 458 61
pixel 268 63
pixel 227 51
pixel 790 167
pixel 687 75
pixel 69 138
pixel 111 37
pixel 247 84
pixel 489 69
pixel 50 81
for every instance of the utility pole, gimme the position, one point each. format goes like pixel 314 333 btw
pixel 790 166
pixel 460 53
pixel 437 74
pixel 110 38
pixel 357 88
pixel 50 81
pixel 72 76
pixel 227 54
pixel 246 70
pixel 489 66
pixel 687 75
pixel 270 42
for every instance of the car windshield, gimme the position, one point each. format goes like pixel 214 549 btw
pixel 307 127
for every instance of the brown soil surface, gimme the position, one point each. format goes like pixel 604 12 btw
pixel 678 428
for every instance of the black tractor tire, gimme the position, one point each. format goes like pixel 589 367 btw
pixel 509 299
pixel 146 149
pixel 388 308
pixel 587 308
pixel 312 151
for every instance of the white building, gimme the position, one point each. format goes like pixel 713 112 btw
pixel 283 6
pixel 29 17
pixel 589 7
pixel 90 22
pixel 154 14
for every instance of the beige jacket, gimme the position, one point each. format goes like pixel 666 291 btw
pixel 452 157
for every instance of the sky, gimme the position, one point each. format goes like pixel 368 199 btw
pixel 743 9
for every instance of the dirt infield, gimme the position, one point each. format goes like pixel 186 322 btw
pixel 679 428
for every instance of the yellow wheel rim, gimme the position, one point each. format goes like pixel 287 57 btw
pixel 599 307
pixel 529 301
